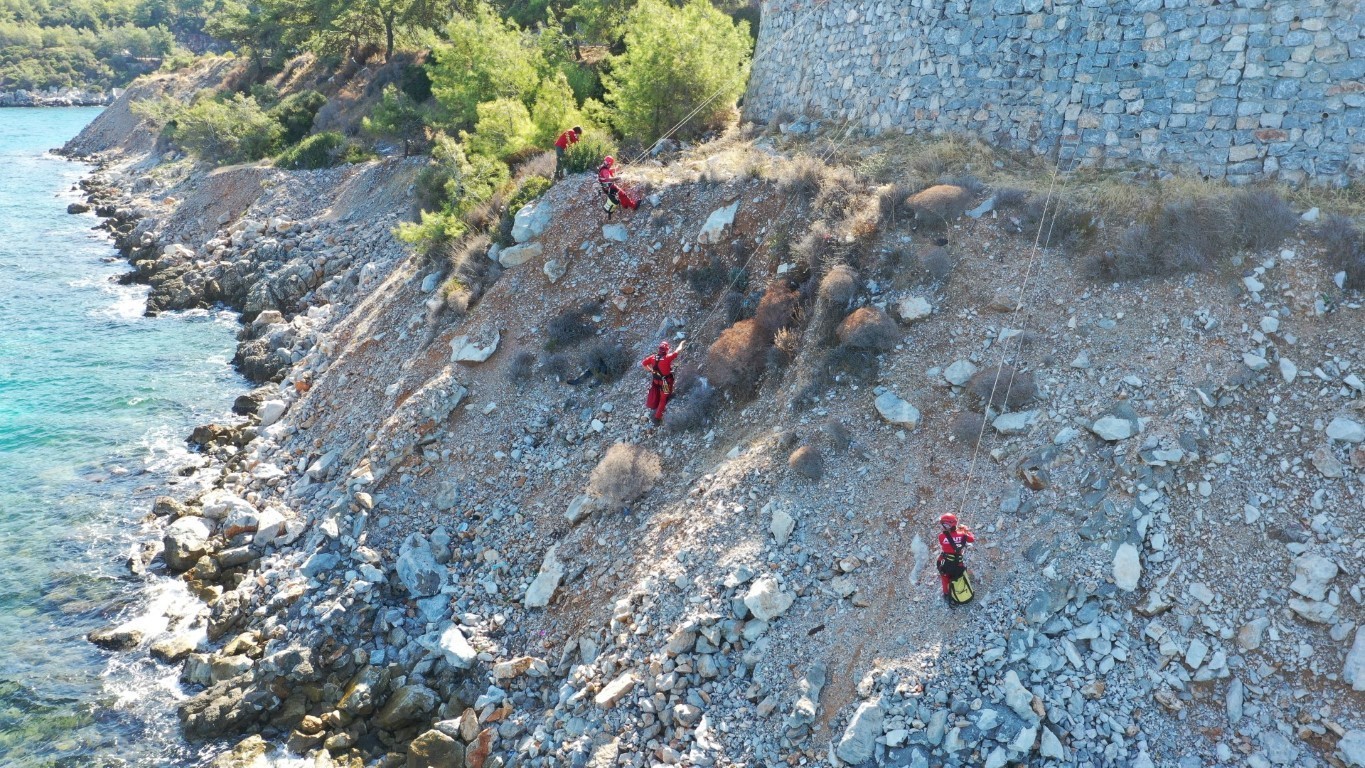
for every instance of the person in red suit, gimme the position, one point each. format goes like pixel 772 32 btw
pixel 607 180
pixel 953 541
pixel 562 145
pixel 660 366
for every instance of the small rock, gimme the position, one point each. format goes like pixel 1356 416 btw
pixel 1352 748
pixel 120 637
pixel 616 232
pixel 1250 636
pixel 1113 428
pixel 1015 423
pixel 546 582
pixel 464 350
pixel 713 231
pixel 554 269
pixel 519 254
pixel 613 691
pixel 531 221
pixel 1312 574
pixel 959 373
pixel 913 308
pixel 782 526
pixel 1288 371
pixel 271 411
pixel 1353 671
pixel 456 649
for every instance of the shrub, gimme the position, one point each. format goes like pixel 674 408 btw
pixel 1010 197
pixel 736 359
pixel 837 435
pixel 572 325
pixel 814 248
pixel 607 361
pixel 1062 224
pixel 1343 250
pixel 523 364
pixel 559 366
pixel 807 462
pixel 891 202
pixel 839 286
pixel 858 364
pixel 776 308
pixel 587 153
pixel 1180 237
pixel 321 150
pixel 1263 219
pixel 625 474
pixel 966 427
pixel 708 278
pixel 938 264
pixel 868 328
pixel 230 131
pixel 940 204
pixel 676 59
pixel 295 114
pixel 1002 387
pixel 802 177
pixel 468 265
pixel 529 189
pixel 692 410
pixel 966 181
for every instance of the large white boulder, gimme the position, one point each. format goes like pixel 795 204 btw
pixel 456 649
pixel 531 221
pixel 912 308
pixel 1352 748
pixel 766 600
pixel 1113 428
pixel 1346 430
pixel 417 568
pixel 271 411
pixel 465 350
pixel 1353 671
pixel 520 254
pixel 1312 574
pixel 1127 567
pixel 185 541
pixel 860 737
pixel 546 582
pixel 1017 423
pixel 713 231
pixel 896 410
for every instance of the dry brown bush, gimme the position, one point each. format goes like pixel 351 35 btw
pixel 736 359
pixel 625 474
pixel 891 201
pixel 868 328
pixel 940 204
pixel 839 286
pixel 691 411
pixel 523 363
pixel 802 177
pixel 1263 219
pixel 807 462
pixel 1002 387
pixel 966 427
pixel 1343 250
pixel 776 308
pixel 814 247
pixel 938 264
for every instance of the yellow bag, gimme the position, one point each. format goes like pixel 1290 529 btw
pixel 960 590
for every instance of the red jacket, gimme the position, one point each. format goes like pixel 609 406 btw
pixel 660 366
pixel 606 175
pixel 955 543
pixel 565 139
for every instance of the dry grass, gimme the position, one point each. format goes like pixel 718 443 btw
pixel 692 410
pixel 625 474
pixel 572 325
pixel 607 360
pixel 1343 250
pixel 523 364
pixel 940 204
pixel 966 427
pixel 1002 388
pixel 777 308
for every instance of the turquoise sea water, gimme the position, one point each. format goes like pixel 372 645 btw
pixel 95 402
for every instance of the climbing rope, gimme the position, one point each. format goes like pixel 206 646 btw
pixel 1019 305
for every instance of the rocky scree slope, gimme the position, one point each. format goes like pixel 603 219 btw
pixel 400 565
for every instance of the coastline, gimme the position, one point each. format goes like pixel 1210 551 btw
pixel 63 97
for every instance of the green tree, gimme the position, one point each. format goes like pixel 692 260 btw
pixel 227 131
pixel 503 128
pixel 555 109
pixel 675 60
pixel 485 59
pixel 396 116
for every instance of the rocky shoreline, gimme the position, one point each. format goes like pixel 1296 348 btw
pixel 401 565
pixel 58 97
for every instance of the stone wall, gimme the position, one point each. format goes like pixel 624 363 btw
pixel 1236 90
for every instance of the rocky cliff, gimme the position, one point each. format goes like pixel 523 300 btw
pixel 424 546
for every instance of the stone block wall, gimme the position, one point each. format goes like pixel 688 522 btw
pixel 1233 90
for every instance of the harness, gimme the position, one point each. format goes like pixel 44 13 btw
pixel 950 563
pixel 664 380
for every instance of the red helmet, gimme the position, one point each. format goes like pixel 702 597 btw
pixel 948 519
pixel 663 347
pixel 608 161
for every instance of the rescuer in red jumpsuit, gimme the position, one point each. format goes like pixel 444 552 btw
pixel 953 540
pixel 562 145
pixel 607 180
pixel 660 366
